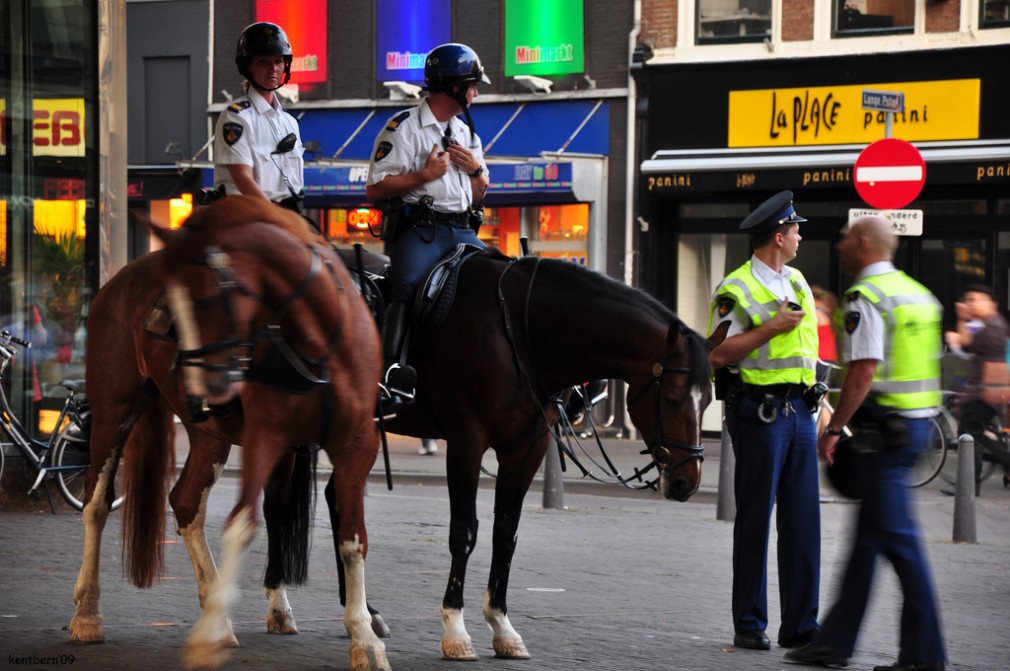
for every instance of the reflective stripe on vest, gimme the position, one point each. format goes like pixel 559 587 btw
pixel 909 376
pixel 788 357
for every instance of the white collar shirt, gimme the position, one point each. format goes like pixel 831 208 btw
pixel 247 132
pixel 403 147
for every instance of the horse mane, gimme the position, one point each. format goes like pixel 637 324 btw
pixel 606 287
pixel 239 210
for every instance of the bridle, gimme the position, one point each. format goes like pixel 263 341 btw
pixel 662 446
pixel 236 367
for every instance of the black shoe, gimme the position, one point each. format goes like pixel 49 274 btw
pixel 389 404
pixel 401 380
pixel 935 666
pixel 817 654
pixel 799 640
pixel 752 640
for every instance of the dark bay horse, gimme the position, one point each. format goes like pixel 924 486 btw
pixel 280 343
pixel 517 333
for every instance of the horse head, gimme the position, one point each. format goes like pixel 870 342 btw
pixel 666 403
pixel 230 292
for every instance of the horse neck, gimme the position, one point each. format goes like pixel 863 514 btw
pixel 578 334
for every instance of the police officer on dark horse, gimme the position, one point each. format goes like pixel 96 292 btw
pixel 428 167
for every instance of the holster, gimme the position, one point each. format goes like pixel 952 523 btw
pixel 392 212
pixel 476 218
pixel 875 427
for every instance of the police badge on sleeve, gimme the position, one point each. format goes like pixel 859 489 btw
pixel 382 151
pixel 232 132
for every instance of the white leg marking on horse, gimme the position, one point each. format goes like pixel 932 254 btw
pixel 507 642
pixel 368 652
pixel 456 643
pixel 86 625
pixel 280 619
pixel 204 567
pixel 207 647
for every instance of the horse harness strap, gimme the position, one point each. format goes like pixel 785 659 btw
pixel 660 451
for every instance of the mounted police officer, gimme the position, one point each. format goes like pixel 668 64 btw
pixel 892 349
pixel 257 147
pixel 765 367
pixel 428 170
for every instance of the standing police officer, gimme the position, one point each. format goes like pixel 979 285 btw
pixel 434 164
pixel 892 347
pixel 257 147
pixel 765 311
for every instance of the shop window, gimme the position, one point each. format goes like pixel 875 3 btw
pixel 995 14
pixel 862 17
pixel 561 232
pixel 501 229
pixel 721 21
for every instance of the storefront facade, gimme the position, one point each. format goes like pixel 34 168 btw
pixel 56 207
pixel 722 137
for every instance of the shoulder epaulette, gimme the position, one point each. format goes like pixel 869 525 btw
pixel 397 120
pixel 239 105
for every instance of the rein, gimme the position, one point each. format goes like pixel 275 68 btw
pixel 660 452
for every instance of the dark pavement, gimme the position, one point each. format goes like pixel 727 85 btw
pixel 617 580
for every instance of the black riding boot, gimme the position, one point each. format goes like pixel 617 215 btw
pixel 399 379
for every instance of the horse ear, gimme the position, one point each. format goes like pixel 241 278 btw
pixel 166 235
pixel 719 334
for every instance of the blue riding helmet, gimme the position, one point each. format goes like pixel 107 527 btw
pixel 450 64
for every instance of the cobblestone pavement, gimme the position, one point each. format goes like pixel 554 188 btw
pixel 617 580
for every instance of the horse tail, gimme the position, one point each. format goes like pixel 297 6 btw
pixel 295 541
pixel 147 466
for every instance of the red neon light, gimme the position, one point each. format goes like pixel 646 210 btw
pixel 305 22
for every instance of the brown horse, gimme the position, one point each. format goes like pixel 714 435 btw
pixel 518 333
pixel 280 344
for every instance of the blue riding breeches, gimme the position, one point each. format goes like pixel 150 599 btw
pixel 416 251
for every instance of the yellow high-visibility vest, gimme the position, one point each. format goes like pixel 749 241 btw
pixel 789 357
pixel 909 376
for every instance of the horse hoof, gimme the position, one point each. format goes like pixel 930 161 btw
pixel 379 627
pixel 281 622
pixel 205 655
pixel 368 658
pixel 459 650
pixel 87 629
pixel 510 648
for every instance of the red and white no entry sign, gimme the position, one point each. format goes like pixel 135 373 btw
pixel 889 174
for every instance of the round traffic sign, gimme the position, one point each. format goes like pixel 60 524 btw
pixel 889 174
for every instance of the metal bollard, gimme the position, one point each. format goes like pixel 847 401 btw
pixel 964 492
pixel 554 486
pixel 726 506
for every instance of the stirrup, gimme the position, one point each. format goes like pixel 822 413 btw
pixel 400 381
pixel 389 404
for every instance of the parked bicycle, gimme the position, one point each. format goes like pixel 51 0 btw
pixel 64 456
pixel 942 435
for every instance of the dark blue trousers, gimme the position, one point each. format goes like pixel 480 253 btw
pixel 416 251
pixel 887 527
pixel 776 466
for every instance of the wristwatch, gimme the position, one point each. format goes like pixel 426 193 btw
pixel 828 431
pixel 478 172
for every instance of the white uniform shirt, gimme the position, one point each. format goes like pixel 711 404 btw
pixel 247 131
pixel 780 284
pixel 403 147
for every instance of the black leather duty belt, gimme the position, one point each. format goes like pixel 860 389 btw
pixel 785 390
pixel 458 219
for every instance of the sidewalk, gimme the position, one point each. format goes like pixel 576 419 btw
pixel 617 580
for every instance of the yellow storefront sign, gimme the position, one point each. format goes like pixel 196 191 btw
pixel 934 110
pixel 57 127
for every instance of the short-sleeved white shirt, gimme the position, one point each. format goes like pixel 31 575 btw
pixel 403 146
pixel 247 131
pixel 779 283
pixel 863 332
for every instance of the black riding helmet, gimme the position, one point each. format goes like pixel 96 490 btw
pixel 262 39
pixel 452 64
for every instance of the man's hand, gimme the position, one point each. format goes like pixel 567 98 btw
pixel 462 157
pixel 436 165
pixel 786 319
pixel 826 448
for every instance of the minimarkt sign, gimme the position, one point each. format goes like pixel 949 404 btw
pixel 407 31
pixel 544 37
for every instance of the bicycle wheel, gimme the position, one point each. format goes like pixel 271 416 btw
pixel 72 455
pixel 949 473
pixel 930 462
